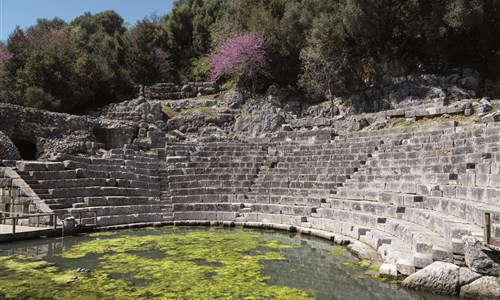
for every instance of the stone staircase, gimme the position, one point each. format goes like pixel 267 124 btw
pixel 167 209
pixel 266 167
pixel 121 189
pixel 209 182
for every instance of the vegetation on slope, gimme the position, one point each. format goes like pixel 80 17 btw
pixel 324 47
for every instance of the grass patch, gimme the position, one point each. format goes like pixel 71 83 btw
pixel 205 110
pixel 404 123
pixel 102 233
pixel 167 110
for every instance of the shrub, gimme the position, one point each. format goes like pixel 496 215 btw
pixel 242 58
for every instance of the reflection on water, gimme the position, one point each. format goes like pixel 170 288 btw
pixel 308 265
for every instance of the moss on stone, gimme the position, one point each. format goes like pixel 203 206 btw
pixel 338 251
pixel 362 265
pixel 232 269
pixel 102 233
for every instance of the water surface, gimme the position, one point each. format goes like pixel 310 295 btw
pixel 189 263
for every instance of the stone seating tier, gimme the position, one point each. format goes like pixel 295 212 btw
pixel 122 188
pixel 409 193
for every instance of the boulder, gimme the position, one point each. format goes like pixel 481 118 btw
pixel 186 91
pixel 477 259
pixel 259 121
pixel 484 288
pixel 438 278
pixel 234 99
pixel 178 134
pixel 467 276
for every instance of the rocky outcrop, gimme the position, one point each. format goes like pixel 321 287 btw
pixel 58 132
pixel 259 117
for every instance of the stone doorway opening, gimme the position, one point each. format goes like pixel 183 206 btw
pixel 27 149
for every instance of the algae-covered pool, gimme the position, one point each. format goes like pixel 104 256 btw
pixel 188 263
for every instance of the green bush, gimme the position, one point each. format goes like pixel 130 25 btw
pixel 229 85
pixel 200 69
pixel 36 97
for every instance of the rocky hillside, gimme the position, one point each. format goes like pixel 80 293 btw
pixel 232 115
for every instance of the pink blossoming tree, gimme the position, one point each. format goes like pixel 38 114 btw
pixel 242 58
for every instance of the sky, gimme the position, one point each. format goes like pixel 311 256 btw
pixel 25 12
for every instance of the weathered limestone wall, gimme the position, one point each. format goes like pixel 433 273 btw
pixel 166 91
pixel 17 197
pixel 8 150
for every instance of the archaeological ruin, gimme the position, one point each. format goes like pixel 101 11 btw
pixel 413 186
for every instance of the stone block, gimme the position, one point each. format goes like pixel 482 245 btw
pixel 27 166
pixel 388 271
pixel 55 166
pixel 405 266
pixel 270 218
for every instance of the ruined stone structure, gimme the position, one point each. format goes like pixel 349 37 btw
pixel 412 195
pixel 421 199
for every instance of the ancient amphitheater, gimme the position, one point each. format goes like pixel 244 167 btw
pixel 412 196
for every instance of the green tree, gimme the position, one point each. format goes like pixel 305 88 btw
pixel 100 66
pixel 189 31
pixel 147 61
pixel 47 65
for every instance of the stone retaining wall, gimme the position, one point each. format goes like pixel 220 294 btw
pixel 170 91
pixel 17 198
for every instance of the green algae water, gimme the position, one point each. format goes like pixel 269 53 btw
pixel 188 263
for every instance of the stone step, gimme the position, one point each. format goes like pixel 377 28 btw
pixel 119 201
pixel 209 198
pixel 419 237
pixel 210 191
pixel 207 207
pixel 205 216
pixel 79 205
pixel 240 219
pixel 209 183
pixel 442 223
pixel 146 218
pixel 105 211
pixel 56 206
